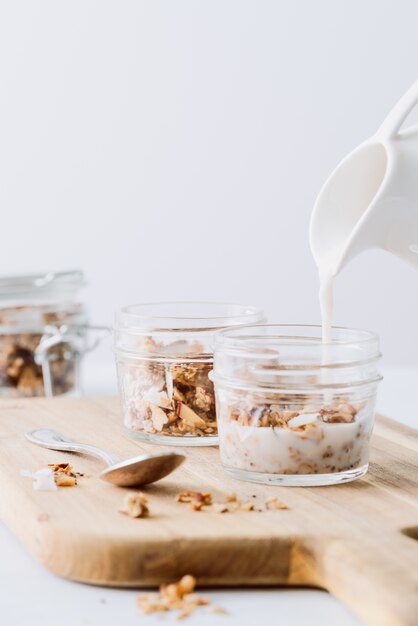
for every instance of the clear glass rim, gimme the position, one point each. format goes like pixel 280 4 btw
pixel 185 315
pixel 255 336
pixel 42 284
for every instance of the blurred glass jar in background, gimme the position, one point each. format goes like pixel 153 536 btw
pixel 43 334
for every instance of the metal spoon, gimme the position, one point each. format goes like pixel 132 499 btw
pixel 140 470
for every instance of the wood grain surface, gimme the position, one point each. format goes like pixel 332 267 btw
pixel 358 540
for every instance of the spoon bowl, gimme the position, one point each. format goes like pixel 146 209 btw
pixel 134 472
pixel 142 470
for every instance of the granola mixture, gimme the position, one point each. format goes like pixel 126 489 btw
pixel 179 596
pixel 174 398
pixel 279 438
pixel 20 375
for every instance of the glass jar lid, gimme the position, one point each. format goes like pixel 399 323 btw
pixel 40 287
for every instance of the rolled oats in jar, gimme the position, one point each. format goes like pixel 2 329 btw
pixel 164 356
pixel 292 410
pixel 43 326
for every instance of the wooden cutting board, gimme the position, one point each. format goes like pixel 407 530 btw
pixel 358 541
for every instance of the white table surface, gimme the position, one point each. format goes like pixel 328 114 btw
pixel 30 595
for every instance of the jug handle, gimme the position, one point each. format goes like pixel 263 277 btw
pixel 392 124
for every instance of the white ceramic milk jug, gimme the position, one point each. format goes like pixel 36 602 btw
pixel 371 198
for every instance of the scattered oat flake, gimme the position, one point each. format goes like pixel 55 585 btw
pixel 218 610
pixel 275 503
pixel 135 505
pixel 247 506
pixel 231 497
pixel 219 507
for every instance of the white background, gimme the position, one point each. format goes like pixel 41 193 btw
pixel 173 149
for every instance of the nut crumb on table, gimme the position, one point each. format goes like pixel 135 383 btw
pixel 179 596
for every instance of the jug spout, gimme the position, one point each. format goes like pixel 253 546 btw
pixel 340 224
pixel 371 199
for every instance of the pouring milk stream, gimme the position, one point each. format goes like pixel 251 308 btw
pixel 369 201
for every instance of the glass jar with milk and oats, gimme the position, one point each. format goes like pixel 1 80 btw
pixel 287 415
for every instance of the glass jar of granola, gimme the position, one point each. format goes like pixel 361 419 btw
pixel 164 355
pixel 42 334
pixel 292 410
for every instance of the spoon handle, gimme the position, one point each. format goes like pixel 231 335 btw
pixel 53 440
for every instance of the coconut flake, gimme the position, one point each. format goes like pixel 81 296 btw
pixel 158 417
pixel 188 416
pixel 169 383
pixel 43 479
pixel 302 420
pixel 157 397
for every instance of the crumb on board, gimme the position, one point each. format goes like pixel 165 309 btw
pixel 274 503
pixel 135 505
pixel 247 506
pixel 198 500
pixel 64 475
pixel 220 507
pixel 53 476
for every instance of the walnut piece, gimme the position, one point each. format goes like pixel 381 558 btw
pixel 135 505
pixel 341 412
pixel 178 596
pixel 176 591
pixel 64 480
pixel 196 499
pixel 63 474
